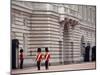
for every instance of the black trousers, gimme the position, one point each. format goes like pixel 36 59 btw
pixel 21 64
pixel 46 64
pixel 38 65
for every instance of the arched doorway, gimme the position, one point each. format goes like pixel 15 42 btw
pixel 68 39
pixel 65 44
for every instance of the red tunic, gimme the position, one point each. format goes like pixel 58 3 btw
pixel 21 56
pixel 47 57
pixel 39 57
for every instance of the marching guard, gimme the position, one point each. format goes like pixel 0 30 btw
pixel 39 58
pixel 47 57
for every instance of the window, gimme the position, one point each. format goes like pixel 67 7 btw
pixel 72 12
pixel 80 11
pixel 90 16
pixel 83 12
pixel 66 10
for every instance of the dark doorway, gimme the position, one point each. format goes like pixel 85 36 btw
pixel 15 46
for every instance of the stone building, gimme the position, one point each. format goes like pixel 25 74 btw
pixel 63 28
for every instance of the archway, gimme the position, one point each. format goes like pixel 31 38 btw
pixel 68 25
pixel 65 44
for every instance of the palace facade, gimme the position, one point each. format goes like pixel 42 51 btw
pixel 63 28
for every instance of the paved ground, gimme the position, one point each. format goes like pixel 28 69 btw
pixel 82 66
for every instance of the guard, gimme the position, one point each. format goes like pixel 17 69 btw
pixel 47 57
pixel 38 58
pixel 21 58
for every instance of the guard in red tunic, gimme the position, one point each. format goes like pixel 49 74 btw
pixel 47 57
pixel 21 58
pixel 39 58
